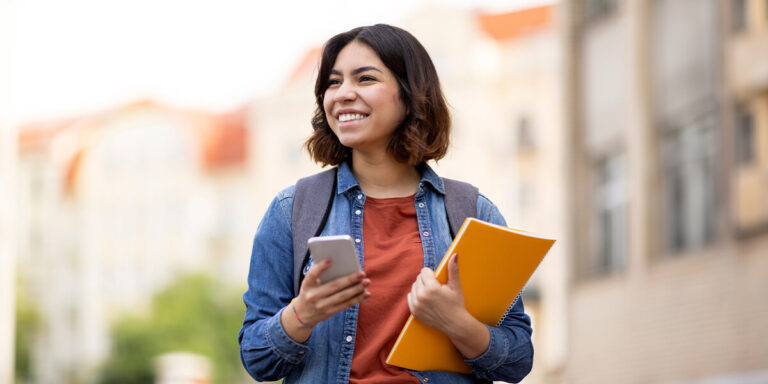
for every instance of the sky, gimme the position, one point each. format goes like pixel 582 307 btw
pixel 75 56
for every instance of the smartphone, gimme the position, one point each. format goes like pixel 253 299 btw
pixel 340 249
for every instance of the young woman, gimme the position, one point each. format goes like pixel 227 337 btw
pixel 380 117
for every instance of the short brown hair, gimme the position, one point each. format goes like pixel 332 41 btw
pixel 424 133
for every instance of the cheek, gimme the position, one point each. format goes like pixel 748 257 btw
pixel 327 105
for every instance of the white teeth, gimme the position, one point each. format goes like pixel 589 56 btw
pixel 350 116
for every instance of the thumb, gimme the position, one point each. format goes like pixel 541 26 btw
pixel 453 272
pixel 312 278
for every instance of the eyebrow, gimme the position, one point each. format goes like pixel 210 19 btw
pixel 358 70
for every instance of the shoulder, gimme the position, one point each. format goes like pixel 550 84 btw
pixel 282 204
pixel 488 211
pixel 286 194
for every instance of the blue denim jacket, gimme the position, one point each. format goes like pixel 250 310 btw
pixel 268 353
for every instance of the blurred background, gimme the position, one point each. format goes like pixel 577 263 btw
pixel 141 142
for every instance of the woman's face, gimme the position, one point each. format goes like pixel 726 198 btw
pixel 362 102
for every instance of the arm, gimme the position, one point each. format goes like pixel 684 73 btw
pixel 502 352
pixel 266 350
pixel 272 340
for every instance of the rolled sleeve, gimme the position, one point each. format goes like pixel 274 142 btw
pixel 493 356
pixel 509 356
pixel 282 344
pixel 266 350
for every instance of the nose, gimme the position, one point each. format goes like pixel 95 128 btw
pixel 345 92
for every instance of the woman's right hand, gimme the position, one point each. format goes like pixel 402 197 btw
pixel 317 302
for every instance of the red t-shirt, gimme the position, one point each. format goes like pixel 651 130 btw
pixel 393 259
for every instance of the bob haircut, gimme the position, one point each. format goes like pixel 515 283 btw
pixel 424 133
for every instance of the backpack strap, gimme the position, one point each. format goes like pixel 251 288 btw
pixel 309 216
pixel 460 203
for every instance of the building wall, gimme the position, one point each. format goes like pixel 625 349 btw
pixel 114 206
pixel 7 202
pixel 668 313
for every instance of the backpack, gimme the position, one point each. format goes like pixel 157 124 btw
pixel 313 199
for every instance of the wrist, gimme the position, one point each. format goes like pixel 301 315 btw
pixel 299 318
pixel 461 325
pixel 292 327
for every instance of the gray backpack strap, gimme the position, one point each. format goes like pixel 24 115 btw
pixel 460 203
pixel 309 216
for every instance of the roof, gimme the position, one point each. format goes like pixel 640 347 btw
pixel 222 138
pixel 307 65
pixel 511 25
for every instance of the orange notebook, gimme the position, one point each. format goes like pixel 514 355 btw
pixel 495 262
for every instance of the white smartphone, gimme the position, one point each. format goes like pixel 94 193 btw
pixel 340 249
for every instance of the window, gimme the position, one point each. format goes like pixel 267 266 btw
pixel 597 9
pixel 745 136
pixel 610 215
pixel 738 15
pixel 524 135
pixel 689 186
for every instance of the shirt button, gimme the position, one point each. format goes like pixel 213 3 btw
pixel 348 339
pixel 426 233
pixel 426 379
pixel 301 352
pixel 357 240
pixel 421 205
pixel 358 212
pixel 360 197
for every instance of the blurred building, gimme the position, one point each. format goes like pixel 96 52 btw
pixel 7 198
pixel 667 131
pixel 281 124
pixel 114 205
pixel 501 76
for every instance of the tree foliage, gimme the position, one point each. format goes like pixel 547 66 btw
pixel 194 314
pixel 27 325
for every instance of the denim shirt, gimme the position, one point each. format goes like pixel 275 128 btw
pixel 268 353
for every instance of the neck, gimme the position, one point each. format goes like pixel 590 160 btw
pixel 383 177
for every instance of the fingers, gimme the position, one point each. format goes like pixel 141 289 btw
pixel 344 295
pixel 427 279
pixel 312 276
pixel 351 297
pixel 321 301
pixel 453 272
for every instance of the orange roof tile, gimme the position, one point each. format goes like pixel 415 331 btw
pixel 225 140
pixel 35 135
pixel 514 24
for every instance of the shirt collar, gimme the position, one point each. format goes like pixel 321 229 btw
pixel 346 180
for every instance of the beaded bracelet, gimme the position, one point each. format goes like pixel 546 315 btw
pixel 293 308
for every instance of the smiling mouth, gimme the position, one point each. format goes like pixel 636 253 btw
pixel 344 117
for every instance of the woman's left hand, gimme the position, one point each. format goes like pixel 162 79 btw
pixel 436 304
pixel 441 306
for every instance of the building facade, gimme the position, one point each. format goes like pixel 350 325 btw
pixel 113 206
pixel 665 123
pixel 7 199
